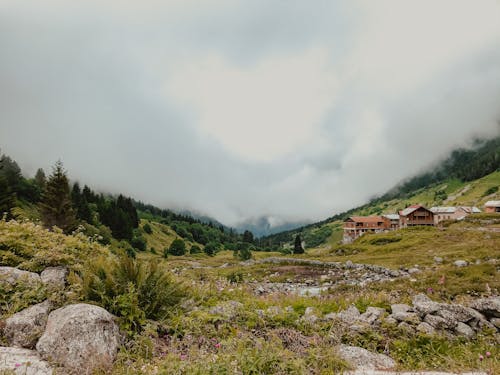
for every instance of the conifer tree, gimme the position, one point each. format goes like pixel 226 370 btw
pixel 56 207
pixel 40 179
pixel 298 249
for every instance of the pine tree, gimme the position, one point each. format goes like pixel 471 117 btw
pixel 56 207
pixel 40 179
pixel 7 198
pixel 298 249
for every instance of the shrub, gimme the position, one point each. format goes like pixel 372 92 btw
pixel 491 190
pixel 178 247
pixel 211 248
pixel 195 249
pixel 139 243
pixel 132 290
pixel 147 228
pixel 244 254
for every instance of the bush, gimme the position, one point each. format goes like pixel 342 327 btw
pixel 178 247
pixel 147 228
pixel 491 190
pixel 132 290
pixel 139 243
pixel 211 248
pixel 195 249
pixel 243 254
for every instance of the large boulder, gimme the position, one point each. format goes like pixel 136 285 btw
pixel 12 275
pixel 424 305
pixel 80 337
pixel 54 277
pixel 490 307
pixel 22 362
pixel 25 328
pixel 363 359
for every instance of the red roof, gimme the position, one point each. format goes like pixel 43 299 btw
pixel 367 219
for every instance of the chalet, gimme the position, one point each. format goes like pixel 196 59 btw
pixel 394 220
pixel 492 206
pixel 356 226
pixel 452 213
pixel 415 215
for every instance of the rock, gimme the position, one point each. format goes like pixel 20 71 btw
pixel 408 317
pixel 80 337
pixel 24 328
pixel 460 263
pixel 406 327
pixel 463 329
pixel 289 309
pixel 489 307
pixel 350 315
pixel 372 315
pixel 54 277
pixel 439 322
pixel 426 328
pixel 390 320
pixel 349 264
pixel 260 290
pixel 413 270
pixel 438 260
pixel 309 315
pixel 400 308
pixel 228 309
pixel 495 322
pixel 424 305
pixel 273 311
pixel 458 313
pixel 364 359
pixel 309 282
pixel 11 275
pixel 23 362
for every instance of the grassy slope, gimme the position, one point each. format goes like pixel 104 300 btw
pixel 459 193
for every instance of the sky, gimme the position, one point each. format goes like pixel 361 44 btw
pixel 288 110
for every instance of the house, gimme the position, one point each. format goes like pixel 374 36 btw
pixel 415 215
pixel 492 206
pixel 394 220
pixel 452 213
pixel 356 226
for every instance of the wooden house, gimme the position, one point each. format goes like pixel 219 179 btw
pixel 356 226
pixel 492 206
pixel 415 215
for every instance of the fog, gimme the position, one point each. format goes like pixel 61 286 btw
pixel 291 110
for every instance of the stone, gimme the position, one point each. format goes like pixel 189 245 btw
pixel 54 277
pixel 372 315
pixel 413 270
pixel 495 322
pixel 349 264
pixel 24 328
pixel 461 263
pixel 489 307
pixel 459 313
pixel 273 311
pixel 426 328
pixel 363 359
pixel 12 275
pixel 227 309
pixel 390 320
pixel 463 329
pixel 309 315
pixel 439 322
pixel 23 362
pixel 408 317
pixel 438 260
pixel 81 338
pixel 406 327
pixel 400 308
pixel 350 315
pixel 424 305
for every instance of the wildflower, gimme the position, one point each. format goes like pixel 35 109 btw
pixel 217 345
pixel 481 357
pixel 442 280
pixel 17 365
pixel 430 290
pixel 488 354
pixel 183 357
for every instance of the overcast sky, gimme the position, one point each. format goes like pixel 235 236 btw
pixel 293 110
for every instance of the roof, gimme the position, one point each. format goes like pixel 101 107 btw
pixel 366 219
pixel 392 216
pixel 470 210
pixel 492 204
pixel 408 210
pixel 443 209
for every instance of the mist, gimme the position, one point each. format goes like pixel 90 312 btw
pixel 292 111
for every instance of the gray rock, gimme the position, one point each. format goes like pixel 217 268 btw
pixel 400 308
pixel 228 309
pixel 439 322
pixel 364 359
pixel 413 270
pixel 489 307
pixel 458 313
pixel 391 320
pixel 350 315
pixel 426 328
pixel 309 315
pixel 372 315
pixel 408 317
pixel 495 322
pixel 273 311
pixel 460 263
pixel 424 305
pixel 80 338
pixel 349 264
pixel 12 275
pixel 331 316
pixel 406 327
pixel 438 260
pixel 24 328
pixel 463 329
pixel 23 362
pixel 54 277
